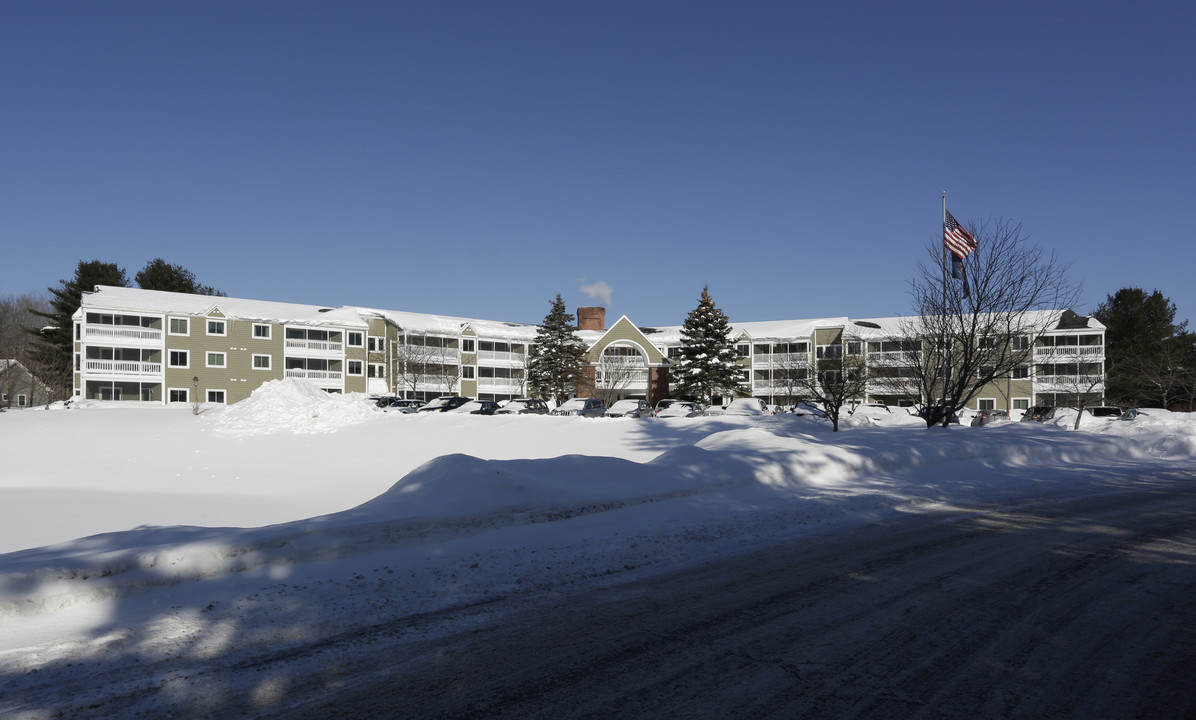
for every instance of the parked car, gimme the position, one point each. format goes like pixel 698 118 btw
pixel 807 407
pixel 665 404
pixel 1038 413
pixel 524 406
pixel 873 408
pixel 989 417
pixel 404 406
pixel 629 408
pixel 476 407
pixel 584 407
pixel 926 411
pixel 679 408
pixel 444 403
pixel 1106 412
pixel 746 406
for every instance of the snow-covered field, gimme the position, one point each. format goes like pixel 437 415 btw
pixel 147 533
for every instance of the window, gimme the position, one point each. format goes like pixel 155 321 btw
pixel 467 345
pixel 21 400
pixel 986 404
pixel 180 326
pixel 375 344
pixel 855 348
pixel 179 359
pixel 1021 372
pixel 261 362
pixel 261 332
pixel 743 350
pixel 216 396
pixel 1021 343
pixel 355 338
pixel 354 367
pixel 216 359
pixel 216 327
pixel 467 372
pixel 1021 403
pixel 987 343
pixel 178 395
pixel 377 370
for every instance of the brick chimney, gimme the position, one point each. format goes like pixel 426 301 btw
pixel 591 318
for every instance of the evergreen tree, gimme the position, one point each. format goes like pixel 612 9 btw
pixel 707 366
pixel 161 275
pixel 1141 338
pixel 54 344
pixel 556 360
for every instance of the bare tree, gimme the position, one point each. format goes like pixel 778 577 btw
pixel 979 329
pixel 619 368
pixel 1168 371
pixel 1077 384
pixel 422 360
pixel 447 365
pixel 787 370
pixel 415 362
pixel 834 375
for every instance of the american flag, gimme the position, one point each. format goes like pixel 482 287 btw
pixel 957 239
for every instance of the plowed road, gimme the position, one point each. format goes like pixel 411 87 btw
pixel 1075 608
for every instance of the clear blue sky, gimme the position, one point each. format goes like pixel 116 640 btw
pixel 476 158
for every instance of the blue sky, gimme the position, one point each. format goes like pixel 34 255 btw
pixel 476 158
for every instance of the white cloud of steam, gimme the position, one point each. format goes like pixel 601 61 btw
pixel 599 291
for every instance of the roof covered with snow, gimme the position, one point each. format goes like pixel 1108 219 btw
pixel 120 299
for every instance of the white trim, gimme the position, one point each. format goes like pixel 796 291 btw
pixel 170 326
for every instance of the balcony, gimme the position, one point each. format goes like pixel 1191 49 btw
pixel 1085 382
pixel 1089 352
pixel 315 346
pixel 503 359
pixel 895 357
pixel 781 360
pixel 122 367
pixel 325 375
pixel 122 333
pixel 504 385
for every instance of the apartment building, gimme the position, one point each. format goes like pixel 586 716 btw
pixel 160 347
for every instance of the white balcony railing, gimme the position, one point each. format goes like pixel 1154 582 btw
pixel 119 332
pixel 123 367
pixel 314 345
pixel 894 357
pixel 1071 381
pixel 495 356
pixel 1087 351
pixel 313 374
pixel 499 384
pixel 781 360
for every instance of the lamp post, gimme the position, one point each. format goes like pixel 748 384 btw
pixel 195 395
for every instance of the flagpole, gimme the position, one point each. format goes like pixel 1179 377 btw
pixel 943 320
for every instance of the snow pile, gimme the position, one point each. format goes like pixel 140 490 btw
pixel 1157 433
pixel 296 406
pixel 407 514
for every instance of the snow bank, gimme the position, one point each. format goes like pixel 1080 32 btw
pixel 293 405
